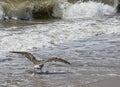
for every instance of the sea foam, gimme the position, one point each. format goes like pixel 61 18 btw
pixel 63 31
pixel 83 9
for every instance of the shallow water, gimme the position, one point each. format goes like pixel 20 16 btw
pixel 89 63
pixel 93 56
pixel 90 44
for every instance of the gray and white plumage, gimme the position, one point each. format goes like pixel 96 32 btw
pixel 39 63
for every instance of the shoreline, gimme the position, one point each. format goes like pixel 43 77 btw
pixel 109 82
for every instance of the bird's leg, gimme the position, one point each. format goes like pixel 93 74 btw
pixel 34 72
pixel 41 66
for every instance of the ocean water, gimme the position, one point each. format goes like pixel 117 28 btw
pixel 87 36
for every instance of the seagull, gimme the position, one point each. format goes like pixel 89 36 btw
pixel 38 64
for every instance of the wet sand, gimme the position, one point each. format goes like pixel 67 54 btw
pixel 109 82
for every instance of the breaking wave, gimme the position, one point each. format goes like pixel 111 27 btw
pixel 62 31
pixel 83 9
pixel 63 9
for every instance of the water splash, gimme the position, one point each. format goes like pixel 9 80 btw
pixel 1 13
pixel 83 9
pixel 28 10
pixel 54 33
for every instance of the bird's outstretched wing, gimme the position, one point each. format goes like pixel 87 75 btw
pixel 55 59
pixel 27 55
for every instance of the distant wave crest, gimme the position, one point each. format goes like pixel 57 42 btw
pixel 84 9
pixel 62 9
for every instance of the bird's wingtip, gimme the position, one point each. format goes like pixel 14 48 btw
pixel 15 51
pixel 69 63
pixel 11 51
